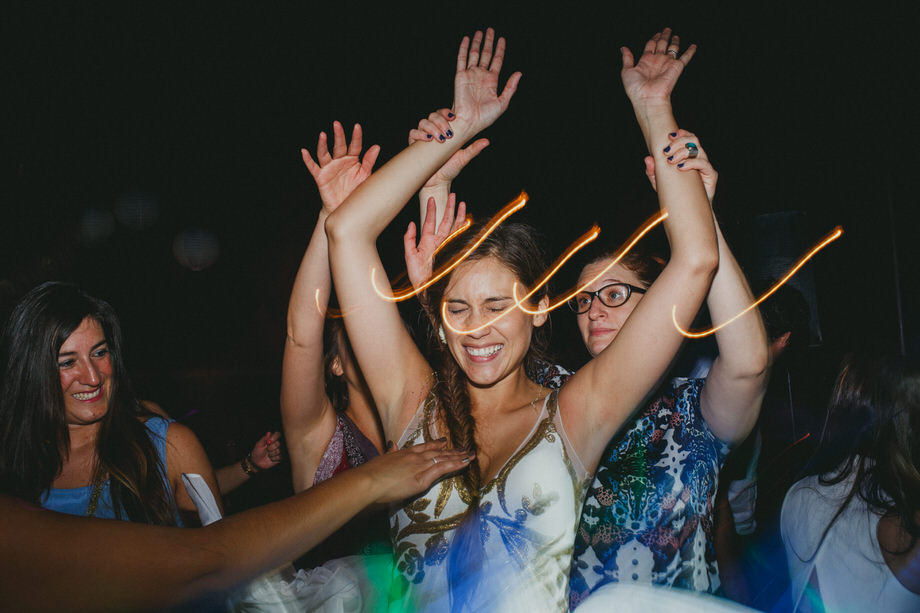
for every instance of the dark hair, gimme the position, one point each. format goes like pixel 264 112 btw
pixel 784 311
pixel 873 432
pixel 642 262
pixel 34 437
pixel 335 340
pixel 517 247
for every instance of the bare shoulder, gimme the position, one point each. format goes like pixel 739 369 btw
pixel 900 551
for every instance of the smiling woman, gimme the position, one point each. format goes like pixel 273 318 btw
pixel 73 437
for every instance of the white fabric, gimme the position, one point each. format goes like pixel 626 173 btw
pixel 851 573
pixel 637 598
pixel 527 517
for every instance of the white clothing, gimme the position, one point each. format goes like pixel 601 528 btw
pixel 851 573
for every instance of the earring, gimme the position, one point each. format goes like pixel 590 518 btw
pixel 441 334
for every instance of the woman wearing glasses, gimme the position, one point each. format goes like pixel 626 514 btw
pixel 647 518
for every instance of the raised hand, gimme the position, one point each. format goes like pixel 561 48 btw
pixel 679 155
pixel 338 175
pixel 476 98
pixel 404 473
pixel 437 128
pixel 653 78
pixel 267 451
pixel 419 259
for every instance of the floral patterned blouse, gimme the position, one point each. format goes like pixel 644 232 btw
pixel 648 515
pixel 514 552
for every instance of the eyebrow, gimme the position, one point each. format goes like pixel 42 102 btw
pixel 93 348
pixel 492 299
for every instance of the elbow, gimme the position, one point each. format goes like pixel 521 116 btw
pixel 335 226
pixel 698 264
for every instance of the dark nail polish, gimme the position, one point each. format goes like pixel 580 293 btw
pixel 450 133
pixel 451 115
pixel 428 136
pixel 673 134
pixel 441 137
pixel 670 158
pixel 668 148
pixel 681 165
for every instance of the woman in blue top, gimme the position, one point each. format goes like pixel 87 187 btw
pixel 73 436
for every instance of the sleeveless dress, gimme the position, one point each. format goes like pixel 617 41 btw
pixel 647 518
pixel 514 553
pixel 366 533
pixel 74 501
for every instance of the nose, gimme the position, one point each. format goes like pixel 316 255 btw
pixel 597 309
pixel 90 374
pixel 482 322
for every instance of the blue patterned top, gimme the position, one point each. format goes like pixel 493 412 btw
pixel 648 515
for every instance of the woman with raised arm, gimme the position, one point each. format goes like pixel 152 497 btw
pixel 330 422
pixel 499 536
pixel 329 418
pixel 648 516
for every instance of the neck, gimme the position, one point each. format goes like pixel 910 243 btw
pixel 509 394
pixel 83 435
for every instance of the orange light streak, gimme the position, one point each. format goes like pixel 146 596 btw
pixel 834 235
pixel 583 240
pixel 509 209
pixel 631 242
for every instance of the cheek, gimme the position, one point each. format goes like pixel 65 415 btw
pixel 582 323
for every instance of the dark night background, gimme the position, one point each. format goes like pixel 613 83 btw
pixel 127 125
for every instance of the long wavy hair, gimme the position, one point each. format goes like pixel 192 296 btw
pixel 517 247
pixel 34 437
pixel 873 433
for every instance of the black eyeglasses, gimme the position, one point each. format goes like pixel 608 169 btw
pixel 613 295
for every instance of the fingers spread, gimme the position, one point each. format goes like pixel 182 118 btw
pixel 462 53
pixel 473 59
pixel 628 60
pixel 339 146
pixel 486 56
pixel 510 88
pixel 322 150
pixel 688 55
pixel 354 147
pixel 312 166
pixel 370 158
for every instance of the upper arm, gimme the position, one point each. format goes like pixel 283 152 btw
pixel 395 371
pixel 307 414
pixel 730 402
pixel 184 454
pixel 603 394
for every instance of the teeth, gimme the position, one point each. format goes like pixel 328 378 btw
pixel 481 352
pixel 88 395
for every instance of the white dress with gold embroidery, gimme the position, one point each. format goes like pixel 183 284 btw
pixel 526 526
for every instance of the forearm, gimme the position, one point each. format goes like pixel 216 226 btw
pixel 743 342
pixel 366 213
pixel 178 564
pixel 689 225
pixel 306 314
pixel 230 477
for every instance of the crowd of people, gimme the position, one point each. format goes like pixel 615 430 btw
pixel 478 473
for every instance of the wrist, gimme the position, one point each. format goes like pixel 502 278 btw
pixel 249 467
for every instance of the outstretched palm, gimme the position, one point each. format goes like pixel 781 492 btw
pixel 476 98
pixel 655 75
pixel 338 174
